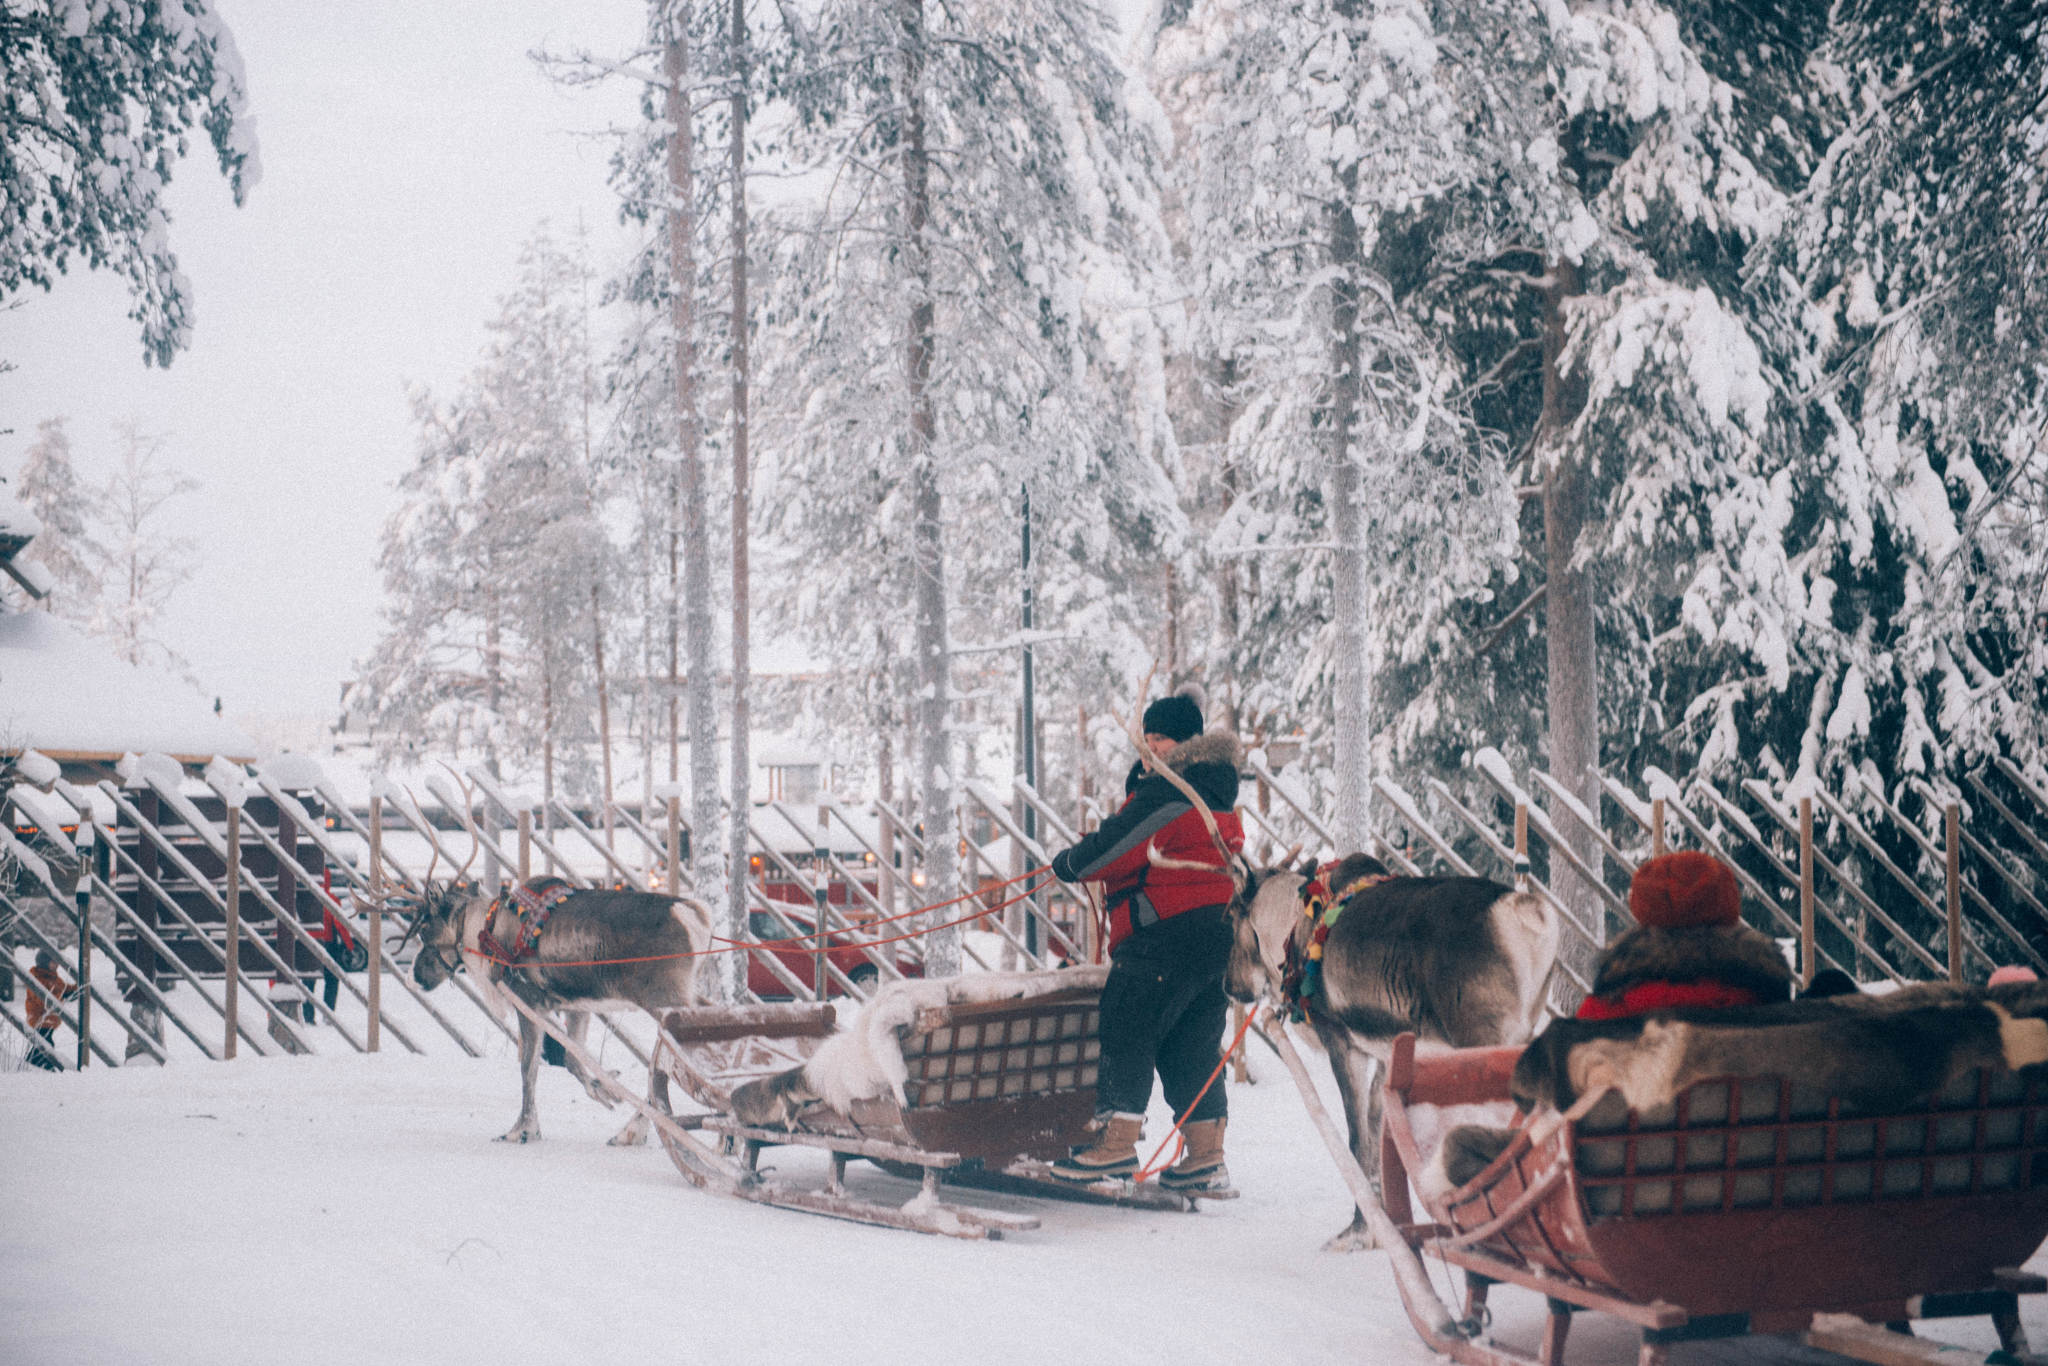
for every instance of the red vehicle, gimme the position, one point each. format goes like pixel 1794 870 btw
pixel 801 963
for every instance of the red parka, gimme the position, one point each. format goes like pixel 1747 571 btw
pixel 1158 816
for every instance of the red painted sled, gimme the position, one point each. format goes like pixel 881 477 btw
pixel 1749 1205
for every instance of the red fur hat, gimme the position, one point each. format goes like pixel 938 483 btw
pixel 1682 890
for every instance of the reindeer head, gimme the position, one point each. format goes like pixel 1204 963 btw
pixel 1262 918
pixel 440 913
pixel 439 920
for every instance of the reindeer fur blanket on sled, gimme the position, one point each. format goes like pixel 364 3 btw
pixel 863 1060
pixel 1881 1053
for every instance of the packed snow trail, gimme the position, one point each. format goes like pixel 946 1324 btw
pixel 352 1209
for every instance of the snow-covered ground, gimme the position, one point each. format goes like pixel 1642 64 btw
pixel 349 1208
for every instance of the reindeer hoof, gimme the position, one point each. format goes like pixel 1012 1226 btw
pixel 524 1133
pixel 1357 1238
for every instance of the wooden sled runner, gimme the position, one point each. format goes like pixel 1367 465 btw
pixel 996 1091
pixel 1751 1204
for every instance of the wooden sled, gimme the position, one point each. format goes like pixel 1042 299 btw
pixel 996 1092
pixel 1751 1205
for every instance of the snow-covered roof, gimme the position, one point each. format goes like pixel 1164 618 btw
pixel 67 695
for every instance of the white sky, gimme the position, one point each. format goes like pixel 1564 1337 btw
pixel 408 149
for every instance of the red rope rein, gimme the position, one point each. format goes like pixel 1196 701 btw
pixel 1154 1166
pixel 806 942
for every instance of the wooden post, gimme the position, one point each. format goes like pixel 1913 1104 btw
pixel 821 891
pixel 1953 819
pixel 526 846
pixel 1806 966
pixel 675 847
pixel 232 957
pixel 377 920
pixel 1656 827
pixel 1521 846
pixel 89 855
pixel 288 899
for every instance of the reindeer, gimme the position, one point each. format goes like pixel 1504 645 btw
pixel 1459 962
pixel 598 950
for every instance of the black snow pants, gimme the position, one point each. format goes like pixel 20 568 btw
pixel 1163 1009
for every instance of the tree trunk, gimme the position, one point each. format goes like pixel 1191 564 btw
pixel 885 782
pixel 928 550
pixel 1573 682
pixel 547 758
pixel 1352 701
pixel 604 706
pixel 741 781
pixel 706 859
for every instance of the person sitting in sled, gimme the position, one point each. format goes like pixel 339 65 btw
pixel 1163 1005
pixel 1688 947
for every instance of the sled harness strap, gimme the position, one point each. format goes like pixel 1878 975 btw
pixel 1303 975
pixel 531 904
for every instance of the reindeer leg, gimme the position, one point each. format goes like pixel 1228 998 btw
pixel 639 1126
pixel 576 1024
pixel 527 1127
pixel 1353 1067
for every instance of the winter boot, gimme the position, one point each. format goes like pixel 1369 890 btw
pixel 1115 1152
pixel 1201 1166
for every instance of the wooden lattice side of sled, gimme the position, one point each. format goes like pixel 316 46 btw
pixel 1746 1205
pixel 996 1090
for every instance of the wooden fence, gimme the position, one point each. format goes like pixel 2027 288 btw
pixel 211 893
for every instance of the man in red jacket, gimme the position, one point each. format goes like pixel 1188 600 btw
pixel 1163 1005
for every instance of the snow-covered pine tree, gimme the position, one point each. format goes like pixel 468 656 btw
pixel 95 103
pixel 47 484
pixel 1557 202
pixel 1306 130
pixel 489 564
pixel 1910 318
pixel 924 347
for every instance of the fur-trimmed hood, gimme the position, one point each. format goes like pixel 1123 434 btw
pixel 1733 955
pixel 1212 747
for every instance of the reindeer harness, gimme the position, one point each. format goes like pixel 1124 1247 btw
pixel 1302 976
pixel 531 903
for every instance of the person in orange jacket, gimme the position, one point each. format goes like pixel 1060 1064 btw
pixel 43 1016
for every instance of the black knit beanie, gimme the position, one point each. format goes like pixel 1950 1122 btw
pixel 1177 718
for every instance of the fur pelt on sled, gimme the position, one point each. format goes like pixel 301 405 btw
pixel 1881 1052
pixel 863 1060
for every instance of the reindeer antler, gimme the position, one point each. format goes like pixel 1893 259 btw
pixel 1233 863
pixel 476 843
pixel 1159 860
pixel 433 845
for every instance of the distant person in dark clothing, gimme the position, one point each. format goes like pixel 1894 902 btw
pixel 1163 1005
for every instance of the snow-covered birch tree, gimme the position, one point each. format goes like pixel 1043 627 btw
pixel 140 564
